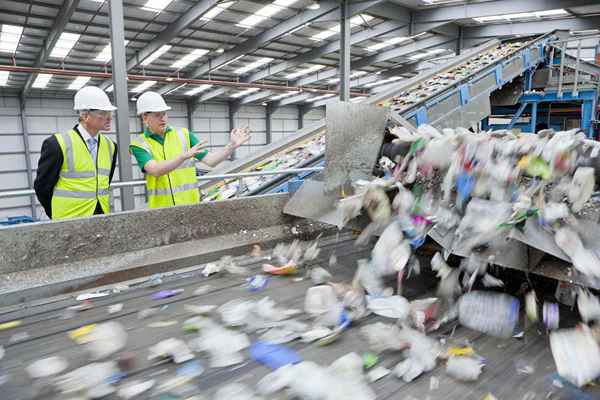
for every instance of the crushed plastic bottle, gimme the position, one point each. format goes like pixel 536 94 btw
pixel 576 355
pixel 465 369
pixel 492 313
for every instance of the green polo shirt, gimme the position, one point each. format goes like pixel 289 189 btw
pixel 142 156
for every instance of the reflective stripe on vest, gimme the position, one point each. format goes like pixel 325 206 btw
pixel 83 182
pixel 178 187
pixel 80 195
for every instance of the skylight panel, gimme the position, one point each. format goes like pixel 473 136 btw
pixel 143 86
pixel 386 43
pixel 197 90
pixel 41 81
pixel 79 82
pixel 64 44
pixel 216 10
pixel 383 81
pixel 156 54
pixel 189 58
pixel 10 35
pixel 305 71
pixel 354 21
pixel 156 5
pixel 106 54
pixel 283 95
pixel 267 11
pixel 529 15
pixel 325 96
pixel 229 62
pixel 244 92
pixel 352 76
pixel 253 65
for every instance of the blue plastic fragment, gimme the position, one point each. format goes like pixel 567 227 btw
pixel 465 184
pixel 273 356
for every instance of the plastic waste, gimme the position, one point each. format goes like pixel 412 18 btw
pixel 464 368
pixel 396 307
pixel 492 313
pixel 46 367
pixel 288 269
pixel 172 348
pixel 381 337
pixel 550 315
pixel 581 188
pixel 588 306
pixel 115 308
pixel 377 373
pixel 272 355
pixel 584 260
pixel 163 294
pixel 134 388
pixel 106 339
pixel 235 312
pixel 88 296
pixel 320 300
pixel 235 391
pixel 576 355
pixel 319 275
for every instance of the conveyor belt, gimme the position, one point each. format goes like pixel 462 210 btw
pixel 44 332
pixel 450 95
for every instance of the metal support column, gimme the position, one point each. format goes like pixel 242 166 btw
pixel 345 30
pixel 189 106
pixel 459 40
pixel 233 108
pixel 561 77
pixel 268 125
pixel 32 198
pixel 533 119
pixel 301 112
pixel 576 83
pixel 119 70
pixel 517 115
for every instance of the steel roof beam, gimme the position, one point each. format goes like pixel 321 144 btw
pixel 61 21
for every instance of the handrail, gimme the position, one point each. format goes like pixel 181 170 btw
pixel 207 177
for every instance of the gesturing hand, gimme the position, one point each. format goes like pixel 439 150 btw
pixel 196 149
pixel 239 136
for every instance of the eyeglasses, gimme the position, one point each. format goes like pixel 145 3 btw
pixel 101 113
pixel 158 114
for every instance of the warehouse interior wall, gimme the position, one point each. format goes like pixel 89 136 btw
pixel 44 116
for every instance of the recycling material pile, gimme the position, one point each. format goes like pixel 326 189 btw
pixel 289 158
pixel 480 187
pixel 451 76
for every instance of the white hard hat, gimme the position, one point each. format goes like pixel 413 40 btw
pixel 151 102
pixel 92 98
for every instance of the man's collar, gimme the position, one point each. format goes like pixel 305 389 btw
pixel 148 133
pixel 85 135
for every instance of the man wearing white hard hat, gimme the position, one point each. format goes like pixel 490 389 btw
pixel 166 154
pixel 76 167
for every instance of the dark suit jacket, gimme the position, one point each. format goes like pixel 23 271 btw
pixel 48 172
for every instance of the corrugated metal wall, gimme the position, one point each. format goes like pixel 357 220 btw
pixel 45 116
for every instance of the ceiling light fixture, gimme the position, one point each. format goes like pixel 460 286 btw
pixel 313 5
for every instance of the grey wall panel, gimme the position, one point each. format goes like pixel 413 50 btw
pixel 46 116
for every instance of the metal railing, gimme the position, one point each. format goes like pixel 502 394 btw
pixel 208 177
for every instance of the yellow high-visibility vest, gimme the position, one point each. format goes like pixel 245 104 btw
pixel 82 182
pixel 178 187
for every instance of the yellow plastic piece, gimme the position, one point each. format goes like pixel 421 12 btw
pixel 9 325
pixel 80 335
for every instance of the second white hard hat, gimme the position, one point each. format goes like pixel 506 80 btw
pixel 151 102
pixel 92 98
